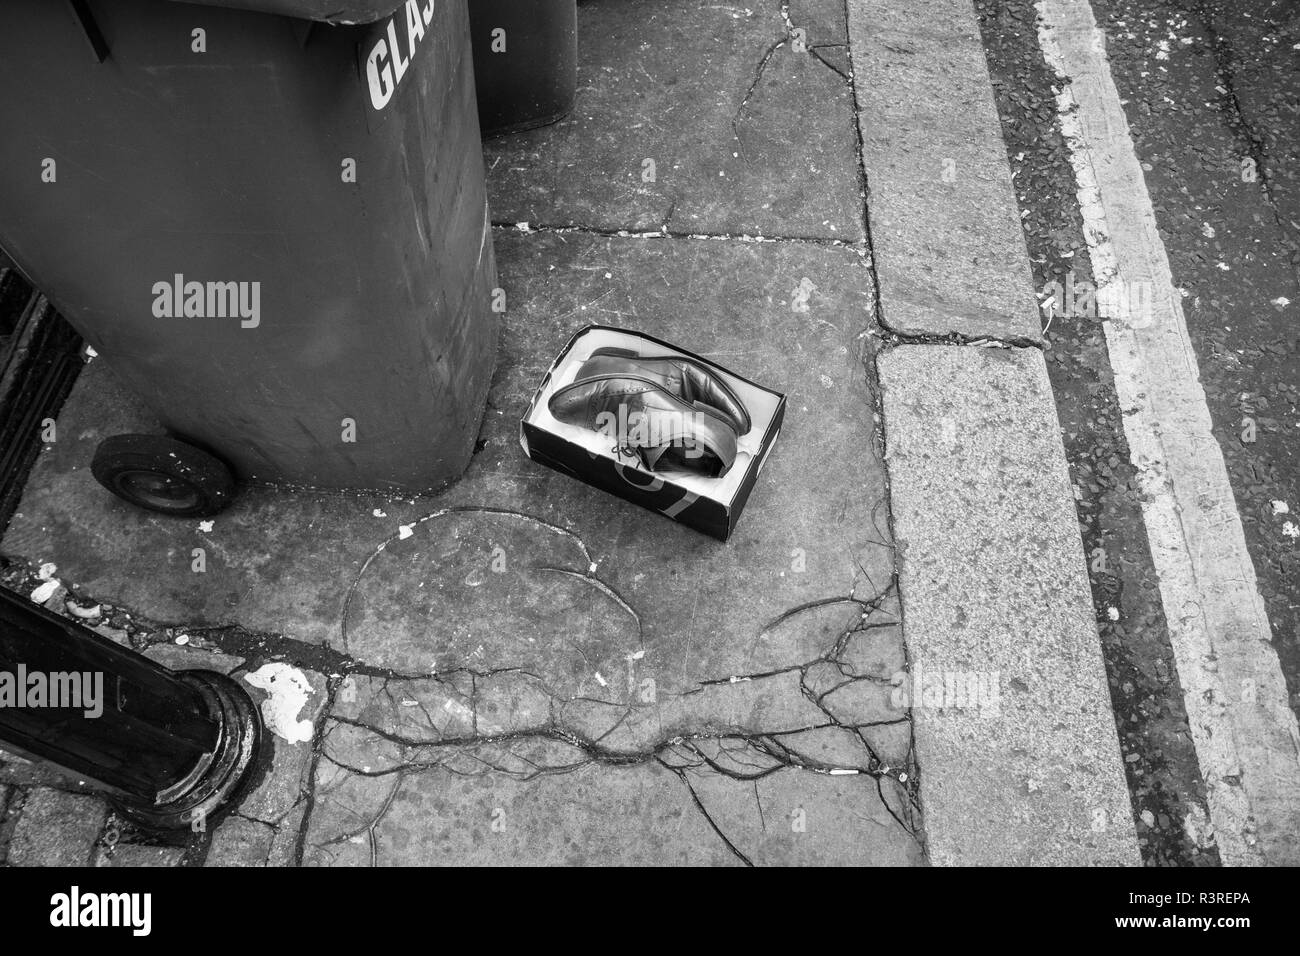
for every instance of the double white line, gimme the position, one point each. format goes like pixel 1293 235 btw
pixel 1244 730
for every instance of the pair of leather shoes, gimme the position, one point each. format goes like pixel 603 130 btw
pixel 673 413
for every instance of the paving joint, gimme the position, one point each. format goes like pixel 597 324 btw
pixel 868 357
pixel 664 233
pixel 893 338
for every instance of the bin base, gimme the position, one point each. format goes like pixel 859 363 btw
pixel 219 776
pixel 532 123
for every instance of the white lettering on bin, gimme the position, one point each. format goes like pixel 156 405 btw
pixel 387 63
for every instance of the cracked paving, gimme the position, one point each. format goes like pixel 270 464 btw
pixel 529 659
pixel 434 768
pixel 774 154
pixel 525 669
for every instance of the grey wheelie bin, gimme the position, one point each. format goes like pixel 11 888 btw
pixel 273 227
pixel 526 61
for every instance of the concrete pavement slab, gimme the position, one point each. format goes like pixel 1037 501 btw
pixel 780 819
pixel 699 118
pixel 292 701
pixel 56 829
pixel 824 22
pixel 522 619
pixel 130 855
pixel 287 563
pixel 637 815
pixel 239 841
pixel 945 226
pixel 1013 726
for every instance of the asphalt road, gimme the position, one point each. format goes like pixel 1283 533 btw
pixel 1211 93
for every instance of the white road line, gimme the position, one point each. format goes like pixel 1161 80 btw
pixel 1245 733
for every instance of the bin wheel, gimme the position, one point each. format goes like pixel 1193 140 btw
pixel 163 474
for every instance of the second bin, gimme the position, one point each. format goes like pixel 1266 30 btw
pixel 526 57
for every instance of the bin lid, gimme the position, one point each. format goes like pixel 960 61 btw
pixel 325 11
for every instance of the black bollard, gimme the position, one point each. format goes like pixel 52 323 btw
pixel 169 748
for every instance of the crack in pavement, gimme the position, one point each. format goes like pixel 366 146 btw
pixel 749 93
pixel 699 805
pixel 741 755
pixel 791 34
pixel 679 755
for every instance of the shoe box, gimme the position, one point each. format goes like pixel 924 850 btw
pixel 709 505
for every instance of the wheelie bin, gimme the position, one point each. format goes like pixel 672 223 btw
pixel 269 218
pixel 526 61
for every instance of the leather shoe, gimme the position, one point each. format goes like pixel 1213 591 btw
pixel 672 412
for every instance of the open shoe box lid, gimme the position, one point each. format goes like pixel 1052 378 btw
pixel 710 505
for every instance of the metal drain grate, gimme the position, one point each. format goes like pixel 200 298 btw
pixel 39 361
